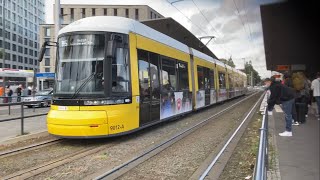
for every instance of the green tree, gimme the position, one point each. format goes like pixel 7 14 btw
pixel 228 62
pixel 248 69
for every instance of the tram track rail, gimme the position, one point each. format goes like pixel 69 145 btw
pixel 141 158
pixel 33 171
pixel 31 147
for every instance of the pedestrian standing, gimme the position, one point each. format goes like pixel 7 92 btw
pixel 288 82
pixel 19 92
pixel 9 93
pixel 315 86
pixel 281 94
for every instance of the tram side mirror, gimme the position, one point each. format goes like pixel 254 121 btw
pixel 42 51
pixel 111 49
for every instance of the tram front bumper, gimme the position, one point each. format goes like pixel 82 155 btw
pixel 77 123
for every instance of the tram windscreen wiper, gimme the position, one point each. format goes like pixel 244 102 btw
pixel 83 85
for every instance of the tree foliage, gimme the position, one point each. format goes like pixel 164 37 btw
pixel 248 69
pixel 228 62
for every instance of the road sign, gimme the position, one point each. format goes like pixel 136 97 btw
pixel 45 75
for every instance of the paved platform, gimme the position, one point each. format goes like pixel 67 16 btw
pixel 298 155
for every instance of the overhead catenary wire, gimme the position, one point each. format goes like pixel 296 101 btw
pixel 211 27
pixel 186 17
pixel 171 3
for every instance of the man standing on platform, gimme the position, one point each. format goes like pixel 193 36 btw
pixel 315 86
pixel 281 94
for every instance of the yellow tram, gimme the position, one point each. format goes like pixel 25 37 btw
pixel 115 75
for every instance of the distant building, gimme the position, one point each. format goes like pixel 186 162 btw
pixel 19 33
pixel 72 12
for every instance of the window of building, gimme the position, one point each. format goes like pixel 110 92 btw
pixel 47 53
pixel 14 67
pixel 83 12
pixel 20 67
pixel 26 68
pixel 31 61
pixel 20 49
pixel 137 14
pixel 35 53
pixel 7 45
pixel 14 47
pixel 115 12
pixel 25 50
pixel 127 13
pixel 20 59
pixel 30 43
pixel 14 37
pixel 47 61
pixel 71 14
pixel 151 15
pixel 35 62
pixel 105 11
pixel 7 66
pixel 47 31
pixel 93 11
pixel 46 69
pixel 14 57
pixel 30 52
pixel 61 15
pixel 25 41
pixel 8 56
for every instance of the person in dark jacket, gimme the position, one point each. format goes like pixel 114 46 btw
pixel 288 82
pixel 281 94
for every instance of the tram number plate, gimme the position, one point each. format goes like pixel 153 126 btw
pixel 116 127
pixel 62 108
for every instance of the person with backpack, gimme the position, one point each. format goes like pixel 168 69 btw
pixel 300 84
pixel 315 86
pixel 281 94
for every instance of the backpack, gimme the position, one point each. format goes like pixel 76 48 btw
pixel 298 81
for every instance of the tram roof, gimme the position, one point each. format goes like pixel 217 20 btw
pixel 122 25
pixel 164 30
pixel 175 30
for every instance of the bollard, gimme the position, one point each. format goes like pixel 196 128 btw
pixel 9 109
pixel 22 119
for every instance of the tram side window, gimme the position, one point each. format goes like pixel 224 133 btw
pixel 154 73
pixel 183 75
pixel 144 74
pixel 230 81
pixel 120 71
pixel 211 74
pixel 222 80
pixel 169 76
pixel 206 72
pixel 200 78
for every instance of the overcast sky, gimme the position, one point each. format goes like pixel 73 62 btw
pixel 236 24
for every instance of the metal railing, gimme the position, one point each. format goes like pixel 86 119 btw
pixel 261 167
pixel 22 113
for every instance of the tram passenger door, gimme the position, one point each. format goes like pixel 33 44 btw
pixel 149 87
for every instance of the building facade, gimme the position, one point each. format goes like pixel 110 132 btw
pixel 19 33
pixel 71 12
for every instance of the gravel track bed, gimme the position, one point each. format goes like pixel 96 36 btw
pixel 28 159
pixel 242 161
pixel 129 146
pixel 183 158
pixel 7 147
